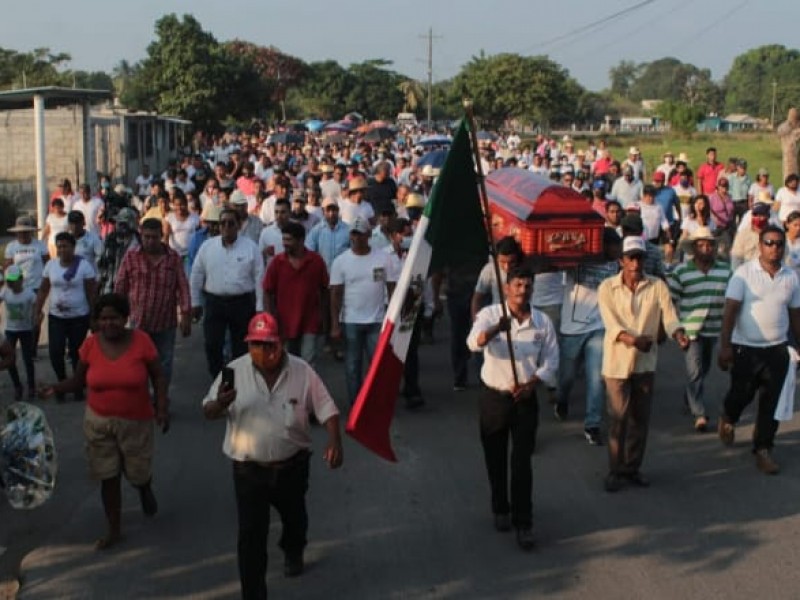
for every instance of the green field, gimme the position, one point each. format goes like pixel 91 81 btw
pixel 760 150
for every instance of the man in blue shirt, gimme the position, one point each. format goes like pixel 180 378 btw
pixel 668 200
pixel 331 237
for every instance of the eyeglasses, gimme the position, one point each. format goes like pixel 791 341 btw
pixel 227 223
pixel 776 243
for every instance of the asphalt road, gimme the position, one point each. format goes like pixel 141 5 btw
pixel 710 526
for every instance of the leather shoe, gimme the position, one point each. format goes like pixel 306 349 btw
pixel 525 538
pixel 502 522
pixel 293 566
pixel 638 479
pixel 765 463
pixel 612 483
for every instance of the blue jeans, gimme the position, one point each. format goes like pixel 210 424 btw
pixel 698 363
pixel 586 348
pixel 164 341
pixel 305 346
pixel 360 338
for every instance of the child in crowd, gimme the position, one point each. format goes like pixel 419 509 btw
pixel 18 317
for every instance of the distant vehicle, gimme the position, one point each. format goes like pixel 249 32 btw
pixel 406 119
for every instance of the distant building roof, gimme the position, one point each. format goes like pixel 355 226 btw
pixel 54 96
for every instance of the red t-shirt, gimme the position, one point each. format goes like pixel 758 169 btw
pixel 119 388
pixel 297 293
pixel 707 176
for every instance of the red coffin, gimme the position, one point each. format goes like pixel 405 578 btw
pixel 550 221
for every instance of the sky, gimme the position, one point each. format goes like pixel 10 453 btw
pixel 584 36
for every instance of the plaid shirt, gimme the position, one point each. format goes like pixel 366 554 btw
pixel 155 290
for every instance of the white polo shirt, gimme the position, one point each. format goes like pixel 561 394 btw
pixel 272 425
pixel 763 318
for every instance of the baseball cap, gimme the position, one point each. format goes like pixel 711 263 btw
pixel 329 202
pixel 761 209
pixel 360 225
pixel 762 172
pixel 633 245
pixel 238 197
pixel 263 328
pixel 599 184
pixel 659 176
pixel 13 273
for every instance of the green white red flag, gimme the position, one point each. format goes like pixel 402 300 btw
pixel 450 232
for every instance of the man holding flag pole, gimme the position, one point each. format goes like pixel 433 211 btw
pixel 454 230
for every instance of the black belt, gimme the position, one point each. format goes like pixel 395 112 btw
pixel 230 298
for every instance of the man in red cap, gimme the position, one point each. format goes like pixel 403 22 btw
pixel 266 397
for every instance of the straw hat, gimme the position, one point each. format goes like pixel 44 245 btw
pixel 702 233
pixel 24 223
pixel 429 171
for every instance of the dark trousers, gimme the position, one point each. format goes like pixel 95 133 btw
pixel 411 367
pixel 629 404
pixel 458 307
pixel 26 343
pixel 759 370
pixel 226 313
pixel 65 334
pixel 257 488
pixel 500 417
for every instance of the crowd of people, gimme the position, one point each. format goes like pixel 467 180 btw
pixel 288 253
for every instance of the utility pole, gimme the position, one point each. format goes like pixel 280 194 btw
pixel 430 38
pixel 772 117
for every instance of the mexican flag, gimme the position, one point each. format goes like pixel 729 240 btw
pixel 450 232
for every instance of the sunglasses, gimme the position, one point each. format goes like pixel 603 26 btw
pixel 776 243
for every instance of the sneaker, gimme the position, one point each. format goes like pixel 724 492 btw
pixel 502 522
pixel 592 435
pixel 701 424
pixel 765 463
pixel 525 538
pixel 560 411
pixel 727 432
pixel 293 566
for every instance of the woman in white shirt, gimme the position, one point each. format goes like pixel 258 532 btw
pixel 55 223
pixel 71 283
pixel 699 216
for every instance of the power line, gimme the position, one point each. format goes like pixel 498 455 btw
pixel 590 26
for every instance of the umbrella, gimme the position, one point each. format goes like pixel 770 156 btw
pixel 434 159
pixel 287 137
pixel 486 135
pixel 335 138
pixel 435 140
pixel 377 124
pixel 315 125
pixel 341 126
pixel 363 128
pixel 379 134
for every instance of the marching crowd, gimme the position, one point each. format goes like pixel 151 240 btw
pixel 285 253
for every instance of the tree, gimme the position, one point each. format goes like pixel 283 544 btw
pixel 748 85
pixel 682 117
pixel 531 88
pixel 39 67
pixel 623 77
pixel 413 95
pixel 374 92
pixel 189 74
pixel 322 93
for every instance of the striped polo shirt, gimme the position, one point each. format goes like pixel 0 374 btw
pixel 699 297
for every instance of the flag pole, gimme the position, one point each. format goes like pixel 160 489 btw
pixel 487 217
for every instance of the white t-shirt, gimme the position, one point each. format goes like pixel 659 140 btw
pixel 57 225
pixel 548 289
pixel 90 247
pixel 348 211
pixel 19 308
pixel 180 232
pixel 755 191
pixel 364 279
pixel 90 211
pixel 30 259
pixel 763 318
pixel 143 185
pixel 653 219
pixel 270 236
pixel 789 200
pixel 68 298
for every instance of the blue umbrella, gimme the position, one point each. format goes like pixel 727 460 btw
pixel 341 126
pixel 435 159
pixel 315 125
pixel 486 135
pixel 435 140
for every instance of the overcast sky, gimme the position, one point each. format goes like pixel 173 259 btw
pixel 708 33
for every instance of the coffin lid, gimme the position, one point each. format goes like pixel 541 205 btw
pixel 529 196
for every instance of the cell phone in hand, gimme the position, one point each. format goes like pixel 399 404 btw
pixel 227 378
